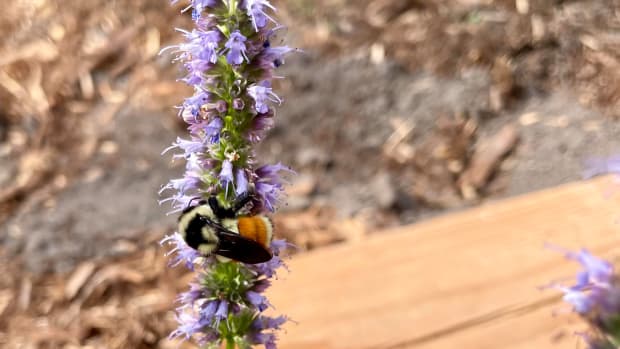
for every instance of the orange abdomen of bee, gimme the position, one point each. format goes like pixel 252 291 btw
pixel 257 228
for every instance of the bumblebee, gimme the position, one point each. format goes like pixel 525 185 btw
pixel 212 229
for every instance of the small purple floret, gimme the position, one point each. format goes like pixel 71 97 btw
pixel 236 48
pixel 600 166
pixel 226 175
pixel 207 313
pixel 269 185
pixel 188 298
pixel 189 325
pixel 241 181
pixel 596 271
pixel 191 107
pixel 181 252
pixel 262 93
pixel 257 300
pixel 256 11
pixel 238 104
pixel 260 125
pixel 189 146
pixel 213 129
pixel 222 311
pixel 596 294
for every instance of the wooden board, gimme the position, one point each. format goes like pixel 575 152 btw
pixel 466 280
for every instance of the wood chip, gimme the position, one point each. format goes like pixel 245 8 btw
pixel 504 84
pixel 153 42
pixel 107 276
pixel 78 278
pixel 529 119
pixel 39 51
pixel 538 27
pixel 380 12
pixel 352 230
pixel 377 53
pixel 87 85
pixel 394 148
pixel 487 157
pixel 523 6
pixel 6 298
pixel 25 293
pixel 561 121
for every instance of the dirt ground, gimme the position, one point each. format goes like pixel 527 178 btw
pixel 396 111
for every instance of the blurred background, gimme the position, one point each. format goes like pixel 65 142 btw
pixel 396 111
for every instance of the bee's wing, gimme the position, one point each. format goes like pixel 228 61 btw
pixel 239 248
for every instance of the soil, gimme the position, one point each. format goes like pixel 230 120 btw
pixel 396 111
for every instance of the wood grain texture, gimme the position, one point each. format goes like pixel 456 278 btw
pixel 465 280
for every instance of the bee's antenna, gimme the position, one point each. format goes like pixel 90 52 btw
pixel 189 203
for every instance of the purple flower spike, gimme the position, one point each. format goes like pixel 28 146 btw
pixel 229 62
pixel 236 48
pixel 262 93
pixel 256 11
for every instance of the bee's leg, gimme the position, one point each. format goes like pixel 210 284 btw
pixel 218 210
pixel 222 212
pixel 242 200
